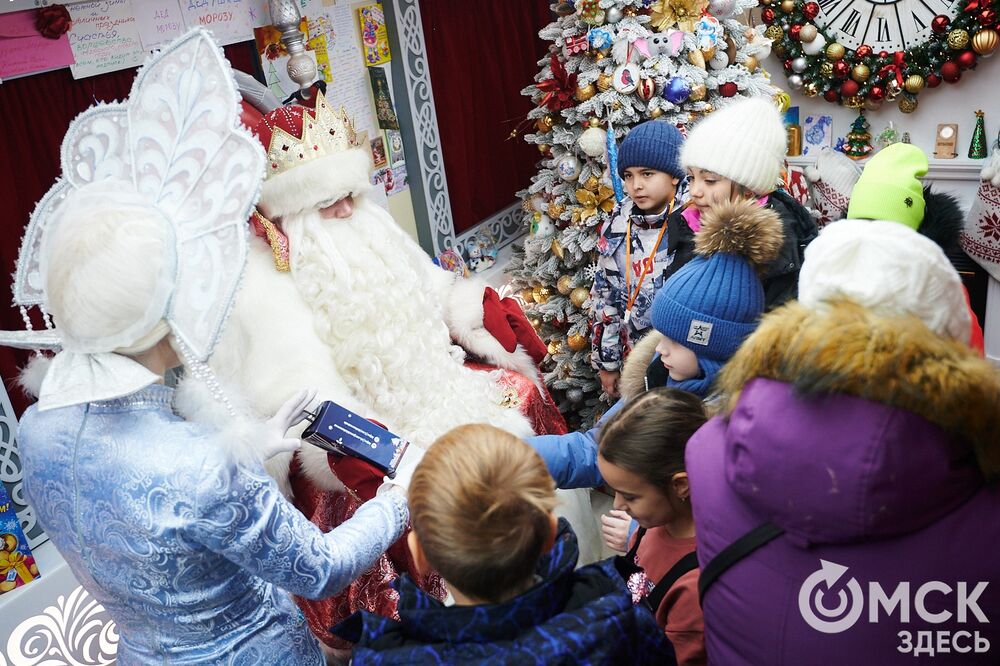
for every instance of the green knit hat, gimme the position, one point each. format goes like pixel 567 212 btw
pixel 888 188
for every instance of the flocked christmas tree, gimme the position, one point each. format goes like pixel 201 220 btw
pixel 977 149
pixel 859 139
pixel 612 64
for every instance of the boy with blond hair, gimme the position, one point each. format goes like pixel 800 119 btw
pixel 481 505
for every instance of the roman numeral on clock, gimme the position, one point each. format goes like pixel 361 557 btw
pixel 852 23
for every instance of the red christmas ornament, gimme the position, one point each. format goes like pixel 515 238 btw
pixel 810 10
pixel 728 89
pixel 987 17
pixel 932 80
pixel 840 69
pixel 877 94
pixel 54 21
pixel 787 64
pixel 973 7
pixel 951 72
pixel 940 24
pixel 831 95
pixel 864 51
pixel 849 88
pixel 883 54
pixel 966 59
pixel 794 31
pixel 768 15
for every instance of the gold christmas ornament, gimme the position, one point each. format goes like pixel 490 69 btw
pixel 564 285
pixel 698 93
pixel 528 295
pixel 810 89
pixel 579 296
pixel 604 82
pixel 598 56
pixel 594 122
pixel 544 148
pixel 539 295
pixel 585 92
pixel 774 33
pixel 616 105
pixel 708 108
pixel 708 53
pixel 826 69
pixel 555 210
pixel 914 83
pixel 577 343
pixel 808 33
pixel 907 104
pixel 630 11
pixel 591 184
pixel 655 113
pixel 860 73
pixel 557 249
pixel 835 51
pixel 751 63
pixel 697 58
pixel 958 39
pixel 683 14
pixel 985 42
pixel 788 6
pixel 536 324
pixel 545 123
pixel 554 347
pixel 854 102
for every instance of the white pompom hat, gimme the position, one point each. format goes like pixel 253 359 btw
pixel 744 142
pixel 889 269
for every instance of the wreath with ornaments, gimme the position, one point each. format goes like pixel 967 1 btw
pixel 809 37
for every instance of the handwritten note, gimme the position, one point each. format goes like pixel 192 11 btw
pixel 24 51
pixel 104 37
pixel 228 20
pixel 159 23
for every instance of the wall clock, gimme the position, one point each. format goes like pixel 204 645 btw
pixel 861 53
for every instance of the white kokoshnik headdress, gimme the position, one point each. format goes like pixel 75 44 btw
pixel 176 149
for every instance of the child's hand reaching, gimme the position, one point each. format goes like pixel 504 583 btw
pixel 609 381
pixel 614 528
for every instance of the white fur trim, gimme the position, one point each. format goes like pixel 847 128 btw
pixel 314 463
pixel 324 179
pixel 32 374
pixel 464 316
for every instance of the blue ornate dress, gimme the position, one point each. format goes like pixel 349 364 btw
pixel 183 546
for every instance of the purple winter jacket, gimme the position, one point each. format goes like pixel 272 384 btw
pixel 868 492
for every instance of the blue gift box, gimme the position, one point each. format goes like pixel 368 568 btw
pixel 341 431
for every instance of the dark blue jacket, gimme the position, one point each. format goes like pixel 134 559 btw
pixel 573 616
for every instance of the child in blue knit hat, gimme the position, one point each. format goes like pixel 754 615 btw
pixel 629 273
pixel 701 316
pixel 706 309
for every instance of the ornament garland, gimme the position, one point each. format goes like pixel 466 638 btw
pixel 817 65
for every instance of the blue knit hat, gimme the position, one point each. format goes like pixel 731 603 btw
pixel 714 301
pixel 655 144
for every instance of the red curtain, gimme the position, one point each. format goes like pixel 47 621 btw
pixel 36 112
pixel 481 54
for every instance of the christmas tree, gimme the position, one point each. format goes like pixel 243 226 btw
pixel 977 149
pixel 859 139
pixel 612 65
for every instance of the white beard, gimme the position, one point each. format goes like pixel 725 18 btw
pixel 376 302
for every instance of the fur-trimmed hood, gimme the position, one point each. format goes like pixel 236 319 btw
pixel 894 361
pixel 880 426
pixel 633 379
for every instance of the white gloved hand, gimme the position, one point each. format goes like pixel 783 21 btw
pixel 274 440
pixel 404 471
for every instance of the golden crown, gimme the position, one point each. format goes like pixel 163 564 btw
pixel 325 132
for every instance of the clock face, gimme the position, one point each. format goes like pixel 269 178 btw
pixel 884 25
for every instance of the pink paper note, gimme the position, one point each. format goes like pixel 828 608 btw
pixel 24 51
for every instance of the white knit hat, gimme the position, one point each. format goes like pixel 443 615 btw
pixel 831 181
pixel 744 142
pixel 888 268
